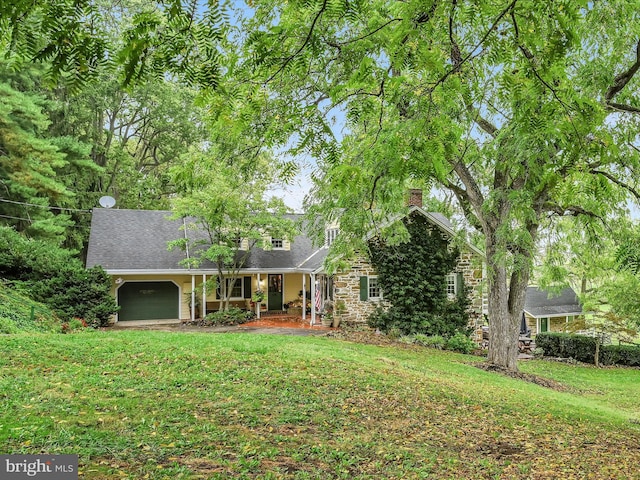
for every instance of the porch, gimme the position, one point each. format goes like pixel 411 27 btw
pixel 283 320
pixel 289 295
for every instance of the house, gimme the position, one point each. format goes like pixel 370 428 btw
pixel 150 282
pixel 548 312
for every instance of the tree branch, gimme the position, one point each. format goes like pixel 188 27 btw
pixel 618 182
pixel 623 108
pixel 569 210
pixel 624 78
pixel 463 201
pixel 304 44
pixel 339 45
pixel 470 55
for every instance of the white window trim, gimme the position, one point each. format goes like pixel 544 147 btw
pixel 448 278
pixel 281 247
pixel 330 235
pixel 369 297
pixel 227 281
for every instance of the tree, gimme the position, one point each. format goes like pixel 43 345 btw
pixel 601 267
pixel 33 199
pixel 226 201
pixel 525 111
pixel 73 38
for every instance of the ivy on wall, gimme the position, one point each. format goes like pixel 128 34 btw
pixel 412 276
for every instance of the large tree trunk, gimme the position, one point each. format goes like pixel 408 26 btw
pixel 506 302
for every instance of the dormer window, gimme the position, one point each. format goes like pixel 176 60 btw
pixel 330 235
pixel 277 243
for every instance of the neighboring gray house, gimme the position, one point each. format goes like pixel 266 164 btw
pixel 548 312
pixel 149 282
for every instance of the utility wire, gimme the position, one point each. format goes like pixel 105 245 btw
pixel 16 218
pixel 44 206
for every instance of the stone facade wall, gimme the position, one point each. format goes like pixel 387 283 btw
pixel 347 289
pixel 471 267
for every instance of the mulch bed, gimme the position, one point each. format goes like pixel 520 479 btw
pixel 527 377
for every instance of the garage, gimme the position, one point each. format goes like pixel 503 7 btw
pixel 148 301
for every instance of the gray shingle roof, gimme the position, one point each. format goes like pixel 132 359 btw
pixel 129 240
pixel 136 241
pixel 133 240
pixel 539 303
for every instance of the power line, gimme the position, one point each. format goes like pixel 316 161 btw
pixel 44 206
pixel 16 218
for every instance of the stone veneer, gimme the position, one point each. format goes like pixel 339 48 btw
pixel 347 289
pixel 470 265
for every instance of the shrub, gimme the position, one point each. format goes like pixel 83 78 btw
pixel 76 292
pixel 74 325
pixel 538 352
pixel 583 348
pixel 394 333
pixel 54 277
pixel 233 316
pixel 460 342
pixel 628 355
pixel 566 345
pixel 27 259
pixel 433 341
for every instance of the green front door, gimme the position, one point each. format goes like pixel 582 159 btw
pixel 148 301
pixel 274 293
pixel 544 325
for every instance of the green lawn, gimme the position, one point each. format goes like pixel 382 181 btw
pixel 140 404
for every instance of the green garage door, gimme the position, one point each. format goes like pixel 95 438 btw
pixel 148 301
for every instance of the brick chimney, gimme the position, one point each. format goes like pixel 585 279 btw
pixel 415 197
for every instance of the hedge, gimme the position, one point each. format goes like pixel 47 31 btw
pixel 628 355
pixel 583 348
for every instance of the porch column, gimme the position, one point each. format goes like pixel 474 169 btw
pixel 304 296
pixel 258 303
pixel 193 297
pixel 313 298
pixel 203 307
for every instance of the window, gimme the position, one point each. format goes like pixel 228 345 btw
pixel 330 236
pixel 370 288
pixel 235 285
pixel 374 288
pixel 277 243
pixel 452 284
